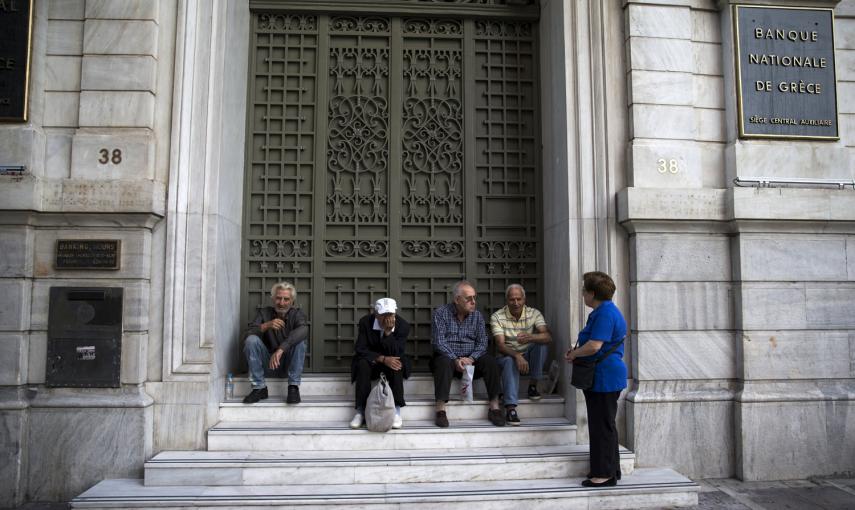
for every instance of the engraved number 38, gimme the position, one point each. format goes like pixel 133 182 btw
pixel 667 166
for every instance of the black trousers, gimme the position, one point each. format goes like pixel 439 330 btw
pixel 602 409
pixel 366 372
pixel 443 370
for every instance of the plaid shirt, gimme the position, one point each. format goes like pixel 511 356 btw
pixel 456 339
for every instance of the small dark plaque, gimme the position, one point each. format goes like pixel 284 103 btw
pixel 16 26
pixel 786 82
pixel 87 253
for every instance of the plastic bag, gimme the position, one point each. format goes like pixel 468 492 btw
pixel 380 407
pixel 466 383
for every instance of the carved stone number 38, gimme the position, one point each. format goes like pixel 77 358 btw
pixel 114 157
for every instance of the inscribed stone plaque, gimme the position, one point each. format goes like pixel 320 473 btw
pixel 785 72
pixel 15 36
pixel 87 253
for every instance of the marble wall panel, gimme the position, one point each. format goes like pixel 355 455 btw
pixel 772 306
pixel 122 9
pixel 65 38
pixel 137 158
pixel 660 87
pixel 830 306
pixel 659 21
pixel 20 147
pixel 13 425
pixel 843 33
pixel 707 59
pixel 679 355
pixel 708 91
pixel 845 8
pixel 846 97
pixel 658 164
pixel 37 357
pixel 135 253
pixel 786 440
pixel 61 109
pixel 670 306
pixel 650 54
pixel 62 73
pixel 16 247
pixel 116 109
pixel 680 257
pixel 796 355
pixel 15 295
pixel 134 306
pixel 109 442
pixel 677 204
pixel 845 65
pixel 134 358
pixel 66 9
pixel 13 358
pixel 58 153
pixel 710 125
pixel 179 427
pixel 807 160
pixel 791 258
pixel 119 37
pixel 792 204
pixel 706 26
pixel 662 122
pixel 119 73
pixel 850 258
pixel 116 196
pixel 694 438
pixel 712 161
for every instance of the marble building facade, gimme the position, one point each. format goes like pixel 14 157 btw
pixel 741 300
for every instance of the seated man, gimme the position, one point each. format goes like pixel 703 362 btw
pixel 521 337
pixel 380 346
pixel 459 338
pixel 276 338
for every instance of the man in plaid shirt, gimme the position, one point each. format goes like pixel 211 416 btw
pixel 459 338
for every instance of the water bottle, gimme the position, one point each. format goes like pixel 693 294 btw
pixel 230 387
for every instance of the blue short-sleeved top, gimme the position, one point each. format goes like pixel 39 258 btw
pixel 606 323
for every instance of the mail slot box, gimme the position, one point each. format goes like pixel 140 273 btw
pixel 84 337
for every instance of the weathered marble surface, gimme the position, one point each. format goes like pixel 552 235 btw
pixel 671 204
pixel 66 9
pixel 787 440
pixel 708 92
pixel 791 258
pixel 13 425
pixel 694 438
pixel 70 195
pixel 119 72
pixel 681 306
pixel 680 257
pixel 652 54
pixel 13 358
pixel 62 73
pixel 706 26
pixel 663 122
pixel 119 37
pixel 651 162
pixel 15 294
pixel 660 87
pixel 65 37
pixel 706 58
pixel 137 148
pixel 647 21
pixel 58 152
pixel 796 204
pixel 61 109
pixel 17 249
pixel 710 124
pixel 116 109
pixel 665 355
pixel 37 357
pixel 71 449
pixel 122 9
pixel 804 354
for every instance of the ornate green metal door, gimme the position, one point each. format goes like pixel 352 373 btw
pixel 389 155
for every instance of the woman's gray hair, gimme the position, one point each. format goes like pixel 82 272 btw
pixel 512 287
pixel 284 286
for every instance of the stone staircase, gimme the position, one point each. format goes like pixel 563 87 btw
pixel 274 455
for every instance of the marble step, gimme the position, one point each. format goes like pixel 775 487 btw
pixel 336 408
pixel 438 465
pixel 645 488
pixel 339 384
pixel 416 435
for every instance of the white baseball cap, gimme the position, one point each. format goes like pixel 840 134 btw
pixel 385 305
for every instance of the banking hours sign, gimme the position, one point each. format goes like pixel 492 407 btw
pixel 785 79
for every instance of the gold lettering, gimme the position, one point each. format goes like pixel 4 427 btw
pixel 9 5
pixel 7 63
pixel 785 35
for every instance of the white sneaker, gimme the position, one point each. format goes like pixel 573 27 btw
pixel 357 421
pixel 398 423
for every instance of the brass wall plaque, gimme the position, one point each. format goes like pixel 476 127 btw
pixel 786 83
pixel 16 28
pixel 88 253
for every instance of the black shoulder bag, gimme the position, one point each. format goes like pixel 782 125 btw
pixel 582 376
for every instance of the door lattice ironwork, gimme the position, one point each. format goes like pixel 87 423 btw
pixel 389 156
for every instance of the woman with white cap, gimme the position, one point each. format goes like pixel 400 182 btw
pixel 380 346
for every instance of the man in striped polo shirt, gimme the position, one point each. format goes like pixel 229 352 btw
pixel 521 337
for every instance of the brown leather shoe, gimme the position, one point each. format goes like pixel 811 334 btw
pixel 441 419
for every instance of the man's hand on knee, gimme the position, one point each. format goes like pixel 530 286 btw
pixel 276 358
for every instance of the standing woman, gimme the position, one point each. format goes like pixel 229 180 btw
pixel 605 329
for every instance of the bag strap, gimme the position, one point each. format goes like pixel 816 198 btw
pixel 606 355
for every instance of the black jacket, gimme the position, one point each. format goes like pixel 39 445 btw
pixel 296 329
pixel 371 343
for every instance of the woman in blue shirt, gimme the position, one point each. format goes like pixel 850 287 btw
pixel 605 328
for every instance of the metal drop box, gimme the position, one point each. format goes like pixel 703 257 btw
pixel 84 347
